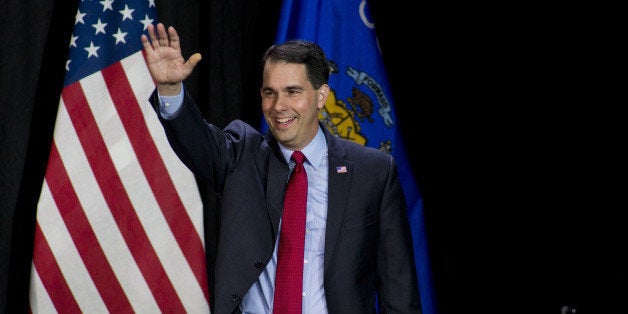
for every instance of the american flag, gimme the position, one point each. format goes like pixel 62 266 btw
pixel 119 219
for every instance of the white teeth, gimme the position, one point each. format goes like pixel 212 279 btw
pixel 284 120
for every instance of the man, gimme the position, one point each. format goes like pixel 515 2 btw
pixel 358 247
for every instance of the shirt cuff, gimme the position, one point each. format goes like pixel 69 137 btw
pixel 169 106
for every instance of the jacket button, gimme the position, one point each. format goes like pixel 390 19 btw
pixel 259 265
pixel 234 297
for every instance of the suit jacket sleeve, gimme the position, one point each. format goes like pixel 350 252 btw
pixel 395 257
pixel 201 146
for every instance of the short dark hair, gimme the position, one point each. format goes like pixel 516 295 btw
pixel 301 52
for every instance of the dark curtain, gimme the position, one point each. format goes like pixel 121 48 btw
pixel 35 37
pixel 513 145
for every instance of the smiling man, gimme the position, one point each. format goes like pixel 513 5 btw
pixel 355 252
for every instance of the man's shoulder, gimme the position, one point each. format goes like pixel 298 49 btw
pixel 358 151
pixel 238 126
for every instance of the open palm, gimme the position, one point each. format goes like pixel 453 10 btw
pixel 163 55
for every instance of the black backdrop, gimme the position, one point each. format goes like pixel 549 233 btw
pixel 513 140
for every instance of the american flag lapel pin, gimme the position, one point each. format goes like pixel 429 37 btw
pixel 341 169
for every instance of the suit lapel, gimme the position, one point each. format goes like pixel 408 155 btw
pixel 339 178
pixel 278 171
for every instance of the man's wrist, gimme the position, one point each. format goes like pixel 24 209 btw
pixel 169 89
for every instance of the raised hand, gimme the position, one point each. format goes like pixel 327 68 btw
pixel 165 62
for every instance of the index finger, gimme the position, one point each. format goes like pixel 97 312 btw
pixel 145 42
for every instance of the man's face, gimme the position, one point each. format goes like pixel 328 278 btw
pixel 290 103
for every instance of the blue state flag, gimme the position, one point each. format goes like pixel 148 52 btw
pixel 360 106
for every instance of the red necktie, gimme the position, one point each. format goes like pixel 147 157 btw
pixel 289 274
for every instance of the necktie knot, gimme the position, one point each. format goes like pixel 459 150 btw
pixel 298 157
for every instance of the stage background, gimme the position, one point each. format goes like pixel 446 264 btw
pixel 507 114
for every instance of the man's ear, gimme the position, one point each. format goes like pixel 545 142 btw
pixel 323 93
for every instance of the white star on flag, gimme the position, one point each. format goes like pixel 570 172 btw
pixel 126 13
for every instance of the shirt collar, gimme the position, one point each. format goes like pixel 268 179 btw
pixel 315 151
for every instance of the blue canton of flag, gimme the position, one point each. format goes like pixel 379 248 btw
pixel 106 32
pixel 360 106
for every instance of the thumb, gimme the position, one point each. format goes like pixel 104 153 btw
pixel 192 61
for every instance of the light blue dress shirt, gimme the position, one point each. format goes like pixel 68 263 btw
pixel 259 298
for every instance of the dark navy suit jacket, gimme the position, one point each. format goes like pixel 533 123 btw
pixel 368 246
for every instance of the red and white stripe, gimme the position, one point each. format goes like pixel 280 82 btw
pixel 119 220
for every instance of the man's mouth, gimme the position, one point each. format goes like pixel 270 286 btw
pixel 284 120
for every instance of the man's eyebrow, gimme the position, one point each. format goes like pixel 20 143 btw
pixel 293 87
pixel 286 88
